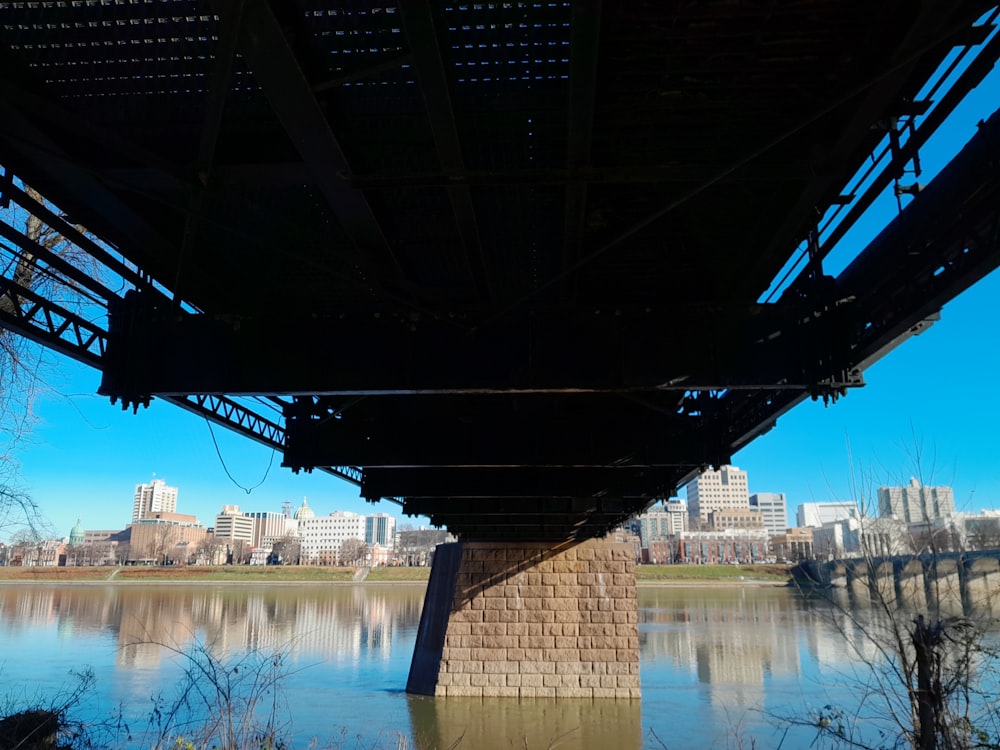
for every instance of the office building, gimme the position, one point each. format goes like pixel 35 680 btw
pixel 380 529
pixel 774 509
pixel 718 489
pixel 233 526
pixel 155 497
pixel 322 536
pixel 916 503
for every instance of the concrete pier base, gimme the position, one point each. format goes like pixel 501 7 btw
pixel 524 620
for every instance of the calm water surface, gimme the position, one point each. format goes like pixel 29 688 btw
pixel 716 663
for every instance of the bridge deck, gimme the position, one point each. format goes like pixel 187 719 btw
pixel 505 262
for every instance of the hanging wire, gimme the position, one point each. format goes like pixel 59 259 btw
pixel 222 461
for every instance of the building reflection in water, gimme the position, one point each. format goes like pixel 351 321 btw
pixel 711 659
pixel 338 624
pixel 733 641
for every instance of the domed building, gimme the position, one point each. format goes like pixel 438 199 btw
pixel 304 512
pixel 76 534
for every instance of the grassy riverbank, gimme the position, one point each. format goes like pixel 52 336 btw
pixel 645 574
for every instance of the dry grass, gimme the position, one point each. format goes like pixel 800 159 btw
pixel 723 573
pixel 399 574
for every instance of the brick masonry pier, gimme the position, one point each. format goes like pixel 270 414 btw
pixel 525 620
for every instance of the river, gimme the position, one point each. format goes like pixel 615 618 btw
pixel 721 667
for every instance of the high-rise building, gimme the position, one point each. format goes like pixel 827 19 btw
pixel 916 503
pixel 233 526
pixel 814 515
pixel 155 497
pixel 774 508
pixel 380 529
pixel 725 487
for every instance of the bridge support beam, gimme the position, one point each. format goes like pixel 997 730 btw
pixel 529 620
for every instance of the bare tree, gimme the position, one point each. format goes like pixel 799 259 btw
pixel 22 363
pixel 352 552
pixel 287 550
pixel 930 669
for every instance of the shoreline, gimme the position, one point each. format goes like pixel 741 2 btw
pixel 675 583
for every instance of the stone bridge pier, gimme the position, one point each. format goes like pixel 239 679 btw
pixel 529 620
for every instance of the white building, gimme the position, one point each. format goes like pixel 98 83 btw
pixel 723 488
pixel 774 508
pixel 380 529
pixel 814 515
pixel 916 503
pixel 322 536
pixel 155 497
pixel 233 526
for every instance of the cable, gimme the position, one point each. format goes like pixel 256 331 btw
pixel 222 461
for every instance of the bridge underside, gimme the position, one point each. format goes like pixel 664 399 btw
pixel 505 263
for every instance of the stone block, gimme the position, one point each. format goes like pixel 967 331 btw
pixel 489 628
pixel 530 680
pixel 559 604
pixel 590 680
pixel 526 692
pixel 538 667
pixel 464 692
pixel 536 641
pixel 561 654
pixel 488 654
pixel 458 654
pixel 576 692
pixel 539 615
pixel 478 680
pixel 491 615
pixel 500 641
pixel 567 641
pixel 575 667
pixel 628 680
pixel 501 692
pixel 545 692
pixel 571 591
pixel 618 667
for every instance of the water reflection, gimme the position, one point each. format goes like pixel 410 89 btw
pixel 333 623
pixel 715 662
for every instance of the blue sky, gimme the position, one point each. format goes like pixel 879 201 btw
pixel 934 399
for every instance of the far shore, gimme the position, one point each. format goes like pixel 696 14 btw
pixel 646 575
